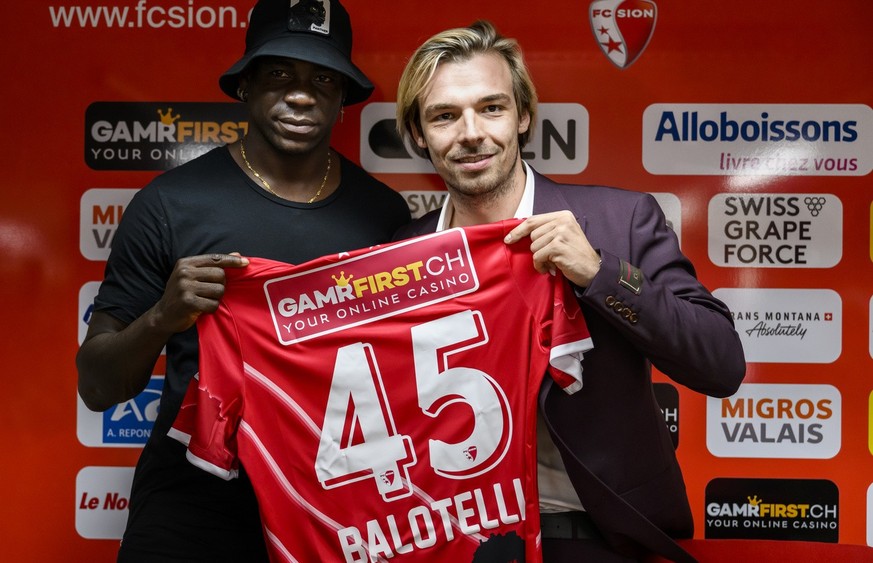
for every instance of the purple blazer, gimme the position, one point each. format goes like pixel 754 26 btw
pixel 611 434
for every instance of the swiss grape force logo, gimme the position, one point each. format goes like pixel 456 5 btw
pixel 623 28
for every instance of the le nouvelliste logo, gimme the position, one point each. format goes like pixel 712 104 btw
pixel 102 498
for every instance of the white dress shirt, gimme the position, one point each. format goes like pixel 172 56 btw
pixel 555 489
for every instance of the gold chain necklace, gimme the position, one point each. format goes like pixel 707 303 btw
pixel 242 151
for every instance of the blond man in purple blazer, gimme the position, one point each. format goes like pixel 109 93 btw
pixel 610 485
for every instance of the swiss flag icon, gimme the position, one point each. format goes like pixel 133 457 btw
pixel 623 28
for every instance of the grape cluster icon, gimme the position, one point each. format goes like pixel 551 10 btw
pixel 814 204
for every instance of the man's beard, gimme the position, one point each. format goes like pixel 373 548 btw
pixel 483 190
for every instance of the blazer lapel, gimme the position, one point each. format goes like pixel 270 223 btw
pixel 548 197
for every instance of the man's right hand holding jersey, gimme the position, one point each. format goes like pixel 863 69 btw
pixel 116 359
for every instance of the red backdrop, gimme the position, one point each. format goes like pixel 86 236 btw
pixel 802 61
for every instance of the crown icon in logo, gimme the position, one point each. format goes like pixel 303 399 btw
pixel 342 280
pixel 167 117
pixel 754 501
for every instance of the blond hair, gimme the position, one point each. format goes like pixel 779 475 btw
pixel 457 45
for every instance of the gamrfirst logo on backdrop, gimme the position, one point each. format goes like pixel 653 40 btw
pixel 158 135
pixel 777 509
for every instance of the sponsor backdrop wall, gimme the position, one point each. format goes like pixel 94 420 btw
pixel 749 121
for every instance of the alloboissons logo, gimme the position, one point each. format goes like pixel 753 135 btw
pixel 688 126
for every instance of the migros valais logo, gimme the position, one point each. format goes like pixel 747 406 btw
pixel 758 139
pixel 100 212
pixel 776 421
pixel 371 286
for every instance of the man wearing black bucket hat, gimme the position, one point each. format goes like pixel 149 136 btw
pixel 280 192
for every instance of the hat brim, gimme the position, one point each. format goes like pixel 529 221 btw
pixel 307 48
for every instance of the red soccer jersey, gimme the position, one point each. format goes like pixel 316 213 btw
pixel 383 401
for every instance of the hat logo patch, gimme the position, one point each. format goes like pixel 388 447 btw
pixel 623 28
pixel 309 15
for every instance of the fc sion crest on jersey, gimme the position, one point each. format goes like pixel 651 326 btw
pixel 622 28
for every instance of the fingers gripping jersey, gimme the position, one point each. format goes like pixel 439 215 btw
pixel 383 401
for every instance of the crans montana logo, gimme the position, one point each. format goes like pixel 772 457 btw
pixel 622 28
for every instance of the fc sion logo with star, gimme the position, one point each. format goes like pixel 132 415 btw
pixel 623 28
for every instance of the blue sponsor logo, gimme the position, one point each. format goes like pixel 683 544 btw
pixel 131 422
pixel 691 126
pixel 86 317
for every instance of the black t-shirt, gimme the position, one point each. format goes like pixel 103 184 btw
pixel 209 205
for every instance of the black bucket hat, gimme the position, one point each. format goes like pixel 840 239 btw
pixel 316 31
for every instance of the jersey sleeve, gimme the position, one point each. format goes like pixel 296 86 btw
pixel 570 338
pixel 211 410
pixel 553 304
